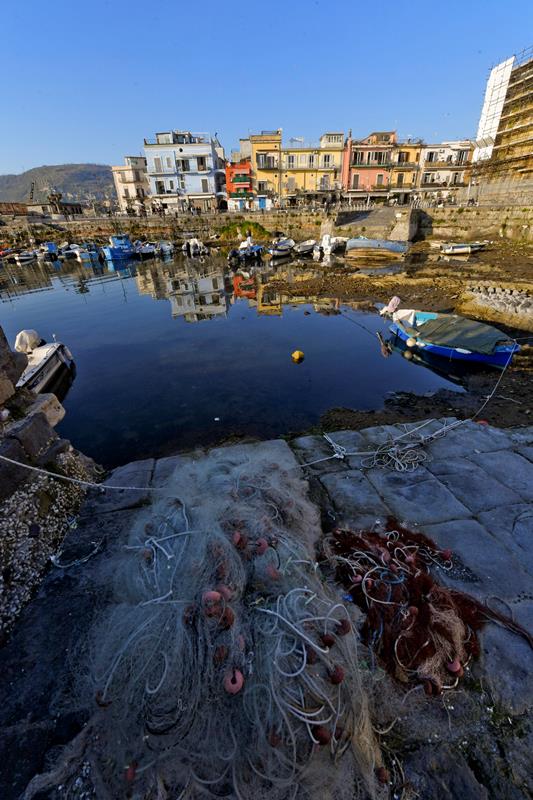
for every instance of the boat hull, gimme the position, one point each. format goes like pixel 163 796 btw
pixel 38 377
pixel 118 253
pixel 499 358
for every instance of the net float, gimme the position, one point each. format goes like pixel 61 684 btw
pixel 311 655
pixel 131 771
pixel 454 666
pixel 344 626
pixel 274 739
pixel 220 654
pixel 233 681
pixel 225 591
pixel 382 774
pixel 327 639
pixel 322 735
pixel 227 618
pixel 261 546
pixel 273 572
pixel 240 540
pixel 336 675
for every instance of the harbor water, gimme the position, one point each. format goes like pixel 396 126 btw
pixel 173 355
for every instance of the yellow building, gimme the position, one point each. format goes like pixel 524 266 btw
pixel 405 166
pixel 265 148
pixel 286 172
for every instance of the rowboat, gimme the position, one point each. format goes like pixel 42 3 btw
pixel 45 360
pixel 281 247
pixel 304 248
pixel 453 337
pixel 462 248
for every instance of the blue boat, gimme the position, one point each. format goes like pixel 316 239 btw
pixel 250 253
pixel 451 336
pixel 120 248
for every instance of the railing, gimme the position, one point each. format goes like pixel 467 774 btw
pixel 373 164
pixel 405 164
pixel 440 164
pixel 267 165
pixel 241 179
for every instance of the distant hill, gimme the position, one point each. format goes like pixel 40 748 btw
pixel 74 181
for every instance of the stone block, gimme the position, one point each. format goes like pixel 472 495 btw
pixel 7 389
pixel 355 500
pixel 509 468
pixel 417 497
pixel 11 476
pixel 466 439
pixel 437 773
pixel 513 526
pixel 49 405
pixel 527 452
pixel 136 474
pixel 498 570
pixel 472 485
pixel 311 448
pixel 34 434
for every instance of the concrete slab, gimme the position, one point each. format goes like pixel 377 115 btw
pixel 513 526
pixel 526 452
pixel 417 497
pixel 310 448
pixel 472 485
pixel 135 474
pixel 356 502
pixel 467 438
pixel 500 573
pixel 510 469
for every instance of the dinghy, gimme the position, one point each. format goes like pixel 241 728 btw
pixel 453 337
pixel 45 361
pixel 281 248
pixel 462 248
pixel 361 247
pixel 304 248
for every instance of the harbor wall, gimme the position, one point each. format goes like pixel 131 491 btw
pixel 34 509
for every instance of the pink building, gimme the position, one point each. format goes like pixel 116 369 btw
pixel 367 163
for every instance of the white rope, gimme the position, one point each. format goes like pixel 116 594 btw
pixel 101 486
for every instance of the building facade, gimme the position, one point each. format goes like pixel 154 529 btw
pixel 266 167
pixel 312 172
pixel 239 185
pixel 444 169
pixel 185 171
pixel 367 164
pixel 131 182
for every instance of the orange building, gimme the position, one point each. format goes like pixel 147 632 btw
pixel 239 185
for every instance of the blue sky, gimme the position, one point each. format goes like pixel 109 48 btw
pixel 88 80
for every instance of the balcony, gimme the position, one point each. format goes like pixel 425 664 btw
pixel 241 193
pixel 241 179
pixel 405 165
pixel 267 165
pixel 445 164
pixel 373 165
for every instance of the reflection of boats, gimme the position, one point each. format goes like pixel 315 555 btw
pixel 164 249
pixel 328 244
pixel 246 252
pixel 45 361
pixel 462 248
pixel 86 254
pixel 145 249
pixel 281 247
pixel 194 247
pixel 451 336
pixel 119 248
pixel 25 257
pixel 48 251
pixel 362 247
pixel 454 371
pixel 305 248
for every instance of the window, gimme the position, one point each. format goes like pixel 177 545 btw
pixel 355 182
pixel 379 180
pixel 432 155
pixel 311 160
pixel 171 185
pixel 182 182
pixel 215 283
pixel 261 186
pixel 160 187
pixel 462 158
pixel 126 192
pixel 205 185
pixel 403 157
pixel 399 180
pixel 327 160
pixel 303 159
pixel 290 162
pixel 157 164
pixel 426 177
pixel 202 166
pixel 358 158
pixel 169 162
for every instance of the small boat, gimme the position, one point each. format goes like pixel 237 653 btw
pixel 45 361
pixel 328 244
pixel 25 257
pixel 194 247
pixel 281 247
pixel 462 248
pixel 453 337
pixel 120 248
pixel 86 254
pixel 48 251
pixel 246 252
pixel 164 249
pixel 360 246
pixel 145 249
pixel 305 248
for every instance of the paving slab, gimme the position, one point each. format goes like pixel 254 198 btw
pixel 526 452
pixel 499 572
pixel 417 497
pixel 513 527
pixel 310 448
pixel 356 502
pixel 471 484
pixel 135 474
pixel 467 438
pixel 510 469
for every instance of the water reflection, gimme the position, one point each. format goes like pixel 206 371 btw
pixel 184 352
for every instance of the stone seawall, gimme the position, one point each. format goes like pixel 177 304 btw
pixel 34 509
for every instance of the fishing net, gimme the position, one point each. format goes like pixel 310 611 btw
pixel 226 667
pixel 419 630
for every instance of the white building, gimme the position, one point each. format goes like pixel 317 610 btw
pixel 444 167
pixel 197 297
pixel 185 170
pixel 131 182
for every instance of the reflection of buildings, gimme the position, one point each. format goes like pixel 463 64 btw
pixel 15 281
pixel 152 280
pixel 197 297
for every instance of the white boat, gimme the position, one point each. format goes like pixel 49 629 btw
pixel 45 361
pixel 165 249
pixel 328 244
pixel 25 257
pixel 305 248
pixel 462 248
pixel 281 247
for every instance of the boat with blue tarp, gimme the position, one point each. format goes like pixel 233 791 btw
pixel 452 336
pixel 120 248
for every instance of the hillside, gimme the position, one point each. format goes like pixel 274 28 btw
pixel 74 181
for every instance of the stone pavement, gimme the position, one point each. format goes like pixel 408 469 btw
pixel 473 495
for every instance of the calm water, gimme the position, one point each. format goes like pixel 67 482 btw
pixel 170 355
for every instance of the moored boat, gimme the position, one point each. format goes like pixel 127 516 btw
pixel 25 257
pixel 305 248
pixel 453 337
pixel 120 248
pixel 281 247
pixel 45 361
pixel 361 247
pixel 145 249
pixel 462 248
pixel 194 247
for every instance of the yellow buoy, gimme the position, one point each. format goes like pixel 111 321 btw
pixel 297 356
pixel 411 342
